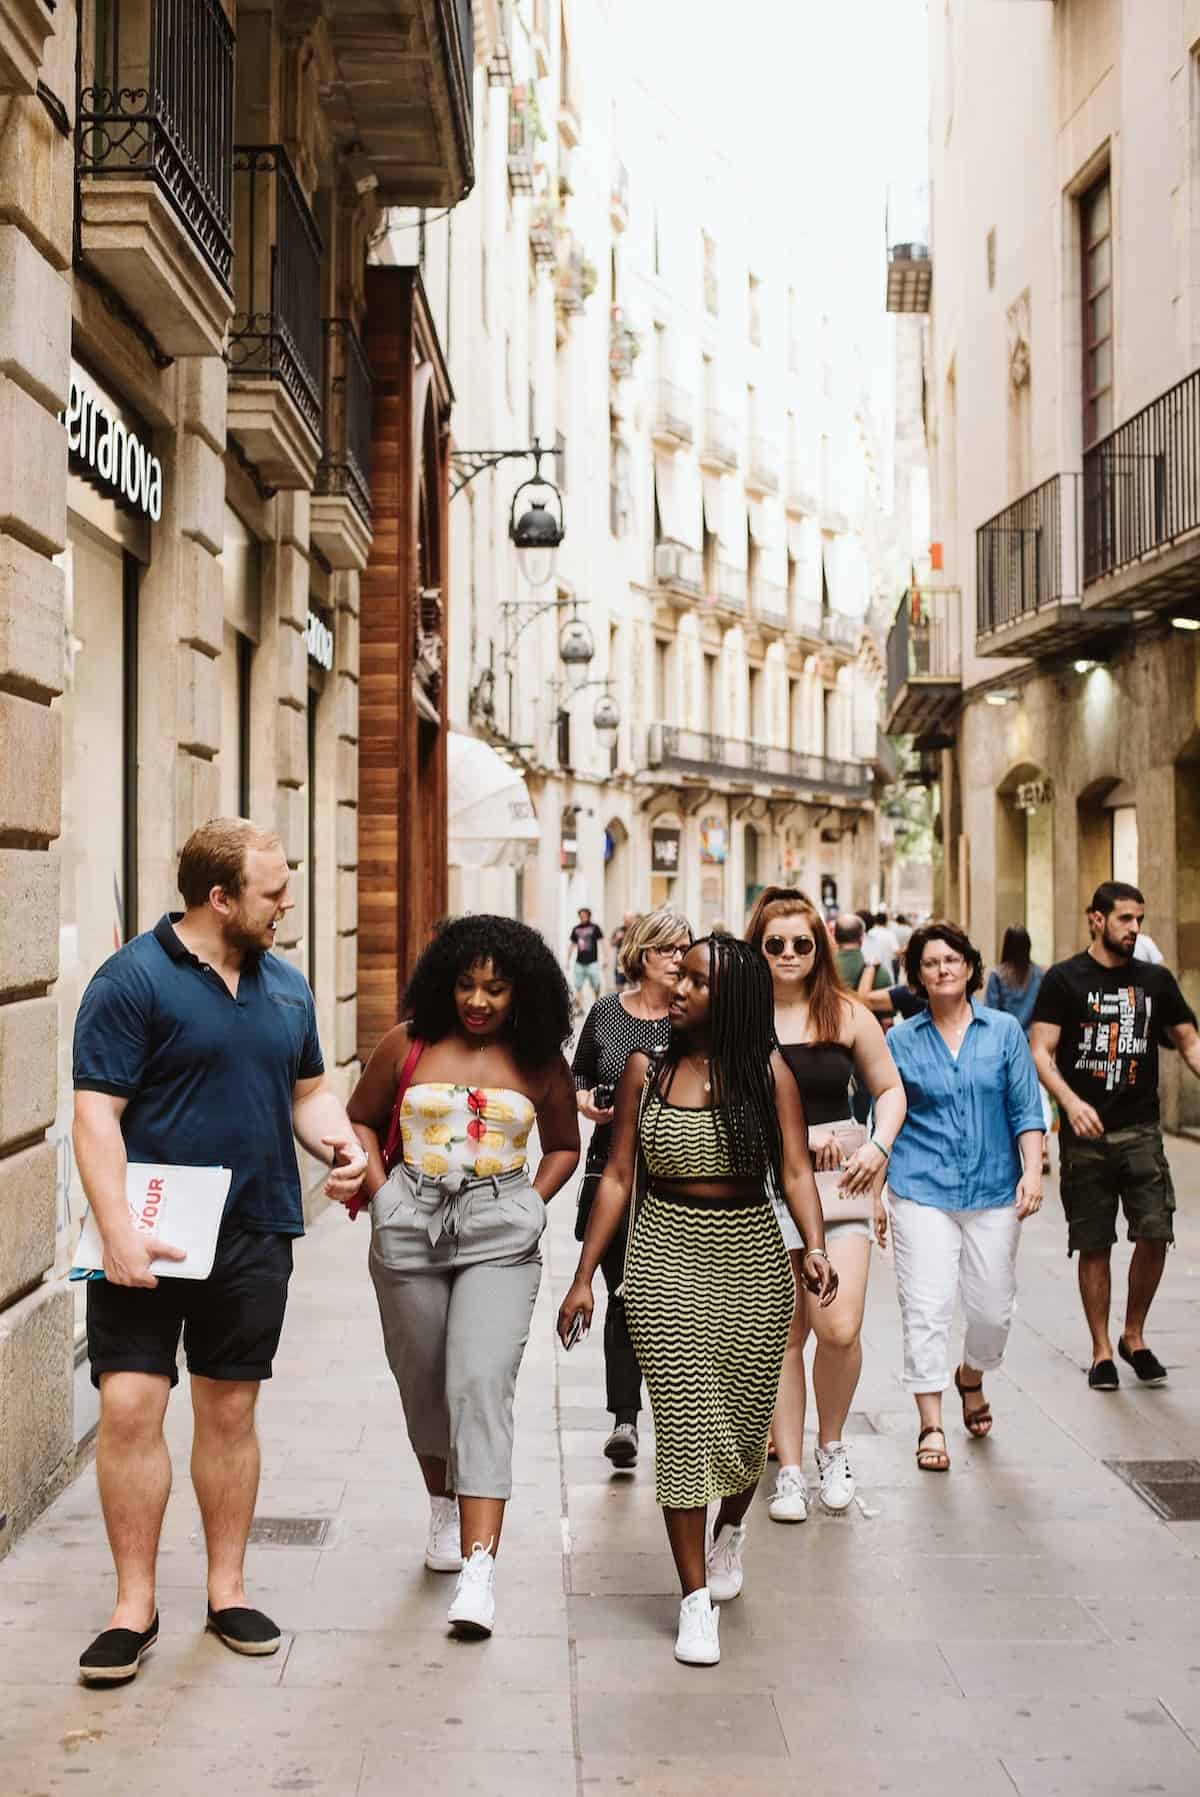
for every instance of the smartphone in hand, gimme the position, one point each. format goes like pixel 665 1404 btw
pixel 577 1329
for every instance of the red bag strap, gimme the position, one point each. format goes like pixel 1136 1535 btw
pixel 393 1146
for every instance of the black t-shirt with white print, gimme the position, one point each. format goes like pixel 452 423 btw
pixel 1110 1018
pixel 587 938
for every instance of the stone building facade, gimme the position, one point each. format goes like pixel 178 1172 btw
pixel 719 472
pixel 1051 667
pixel 188 190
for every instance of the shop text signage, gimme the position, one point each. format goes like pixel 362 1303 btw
pixel 110 454
pixel 1031 795
pixel 664 847
pixel 319 640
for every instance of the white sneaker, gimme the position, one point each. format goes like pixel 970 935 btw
pixel 789 1502
pixel 698 1641
pixel 724 1563
pixel 837 1481
pixel 473 1611
pixel 443 1545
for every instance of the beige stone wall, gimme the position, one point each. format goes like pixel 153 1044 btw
pixel 36 1438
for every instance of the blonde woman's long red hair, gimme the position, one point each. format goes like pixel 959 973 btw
pixel 828 993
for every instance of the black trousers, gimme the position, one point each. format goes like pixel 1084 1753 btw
pixel 622 1374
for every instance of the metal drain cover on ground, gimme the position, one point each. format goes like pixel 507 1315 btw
pixel 1170 1487
pixel 289 1531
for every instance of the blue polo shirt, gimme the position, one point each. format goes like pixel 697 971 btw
pixel 957 1148
pixel 208 1077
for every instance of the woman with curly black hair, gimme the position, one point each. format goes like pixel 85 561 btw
pixel 453 1092
pixel 708 1287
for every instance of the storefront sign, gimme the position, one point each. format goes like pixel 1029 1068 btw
pixel 714 842
pixel 109 453
pixel 319 640
pixel 664 848
pixel 1031 794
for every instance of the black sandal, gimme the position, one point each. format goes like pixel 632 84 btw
pixel 976 1422
pixel 933 1460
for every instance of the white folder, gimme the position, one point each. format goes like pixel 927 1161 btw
pixel 180 1205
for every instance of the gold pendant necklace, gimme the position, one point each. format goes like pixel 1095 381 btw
pixel 704 1075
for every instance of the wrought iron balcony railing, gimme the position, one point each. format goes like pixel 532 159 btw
pixel 521 139
pixel 726 758
pixel 720 440
pixel 1026 557
pixel 841 630
pixel 762 474
pixel 806 618
pixel 924 658
pixel 673 417
pixel 276 330
pixel 161 109
pixel 729 586
pixel 770 602
pixel 345 467
pixel 1141 483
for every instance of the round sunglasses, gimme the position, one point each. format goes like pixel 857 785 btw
pixel 775 945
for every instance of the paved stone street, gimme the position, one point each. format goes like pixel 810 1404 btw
pixel 1026 1624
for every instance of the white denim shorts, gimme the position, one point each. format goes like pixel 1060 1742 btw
pixel 793 1241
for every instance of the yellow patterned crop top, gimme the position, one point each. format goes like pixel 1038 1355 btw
pixel 479 1130
pixel 681 1144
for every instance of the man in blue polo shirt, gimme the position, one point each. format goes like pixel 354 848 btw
pixel 196 1046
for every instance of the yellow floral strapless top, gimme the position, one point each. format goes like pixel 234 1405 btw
pixel 480 1130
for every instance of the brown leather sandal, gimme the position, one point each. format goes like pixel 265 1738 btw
pixel 976 1422
pixel 933 1460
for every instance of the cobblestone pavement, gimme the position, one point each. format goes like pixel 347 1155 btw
pixel 1027 1624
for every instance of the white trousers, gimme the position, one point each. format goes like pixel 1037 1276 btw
pixel 944 1254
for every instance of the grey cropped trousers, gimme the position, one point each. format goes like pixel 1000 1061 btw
pixel 456 1274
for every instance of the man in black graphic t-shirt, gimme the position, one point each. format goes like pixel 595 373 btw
pixel 1096 1027
pixel 584 950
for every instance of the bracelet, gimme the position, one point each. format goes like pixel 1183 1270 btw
pixel 885 1152
pixel 818 1252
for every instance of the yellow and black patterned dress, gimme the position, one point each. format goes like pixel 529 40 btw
pixel 709 1296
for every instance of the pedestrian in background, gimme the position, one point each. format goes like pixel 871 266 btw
pixel 708 1288
pixel 621 1023
pixel 881 945
pixel 965 1172
pixel 196 1046
pixel 1096 1029
pixel 852 962
pixel 617 938
pixel 826 1037
pixel 1013 987
pixel 444 1109
pixel 585 958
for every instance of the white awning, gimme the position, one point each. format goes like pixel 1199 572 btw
pixel 715 521
pixel 846 575
pixel 490 816
pixel 680 508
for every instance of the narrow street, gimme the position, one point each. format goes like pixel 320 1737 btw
pixel 1027 1624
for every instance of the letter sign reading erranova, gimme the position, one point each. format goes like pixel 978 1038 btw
pixel 112 456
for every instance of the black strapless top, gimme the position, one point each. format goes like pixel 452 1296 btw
pixel 823 1071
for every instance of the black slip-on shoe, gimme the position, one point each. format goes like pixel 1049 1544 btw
pixel 245 1631
pixel 622 1446
pixel 1148 1367
pixel 1104 1376
pixel 116 1654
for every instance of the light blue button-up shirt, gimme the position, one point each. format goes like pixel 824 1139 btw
pixel 958 1147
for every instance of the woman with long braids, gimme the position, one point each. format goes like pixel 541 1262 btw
pixel 708 1287
pixel 456 1223
pixel 826 1035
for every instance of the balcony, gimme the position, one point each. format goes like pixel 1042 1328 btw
pixel 155 147
pixel 1141 505
pixel 718 452
pixel 574 283
pixel 884 759
pixel 274 350
pixel 672 417
pixel 498 17
pixel 341 504
pixel 727 588
pixel 841 631
pixel 522 138
pixel 624 346
pixel 924 662
pixel 801 498
pixel 1027 586
pixel 542 227
pixel 770 604
pixel 762 469
pixel 806 621
pixel 721 761
pixel 909 264
pixel 618 199
pixel 678 574
pixel 401 89
pixel 24 28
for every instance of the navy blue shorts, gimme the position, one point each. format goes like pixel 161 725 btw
pixel 231 1322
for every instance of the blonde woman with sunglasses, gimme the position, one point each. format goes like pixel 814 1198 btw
pixel 827 1036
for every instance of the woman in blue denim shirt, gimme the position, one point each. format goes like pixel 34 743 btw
pixel 964 1172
